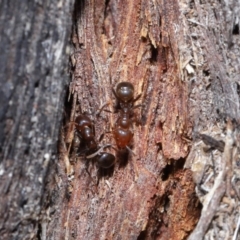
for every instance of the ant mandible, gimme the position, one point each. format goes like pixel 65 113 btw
pixel 122 133
pixel 85 129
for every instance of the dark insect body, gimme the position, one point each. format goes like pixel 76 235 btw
pixel 122 132
pixel 86 132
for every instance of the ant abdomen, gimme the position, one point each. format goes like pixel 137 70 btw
pixel 106 160
pixel 122 136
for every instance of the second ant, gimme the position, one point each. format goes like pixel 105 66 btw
pixel 122 133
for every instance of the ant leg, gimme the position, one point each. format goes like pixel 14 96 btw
pixel 137 106
pixel 136 119
pixel 115 94
pixel 127 147
pixel 102 108
pixel 116 106
pixel 135 99
pixel 100 138
pixel 130 150
pixel 115 148
pixel 106 131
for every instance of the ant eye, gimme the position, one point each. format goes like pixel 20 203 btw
pixel 125 91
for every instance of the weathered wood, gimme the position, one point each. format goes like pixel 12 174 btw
pixel 215 99
pixel 33 79
pixel 182 56
pixel 152 196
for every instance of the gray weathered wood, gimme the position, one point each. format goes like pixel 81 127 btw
pixel 34 46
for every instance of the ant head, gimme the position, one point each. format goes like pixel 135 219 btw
pixel 106 160
pixel 125 91
pixel 81 121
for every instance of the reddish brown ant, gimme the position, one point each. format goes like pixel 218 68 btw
pixel 85 130
pixel 81 132
pixel 122 133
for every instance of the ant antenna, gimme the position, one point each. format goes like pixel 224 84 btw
pixel 98 151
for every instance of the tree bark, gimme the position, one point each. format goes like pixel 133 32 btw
pixel 33 68
pixel 182 57
pixel 152 197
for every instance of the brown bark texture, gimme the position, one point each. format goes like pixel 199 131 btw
pixel 181 179
pixel 177 55
pixel 151 196
pixel 33 78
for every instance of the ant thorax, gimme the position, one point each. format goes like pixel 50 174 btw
pixel 124 120
pixel 92 146
pixel 126 106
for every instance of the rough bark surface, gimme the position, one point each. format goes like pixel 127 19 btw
pixel 33 78
pixel 152 196
pixel 183 57
pixel 214 104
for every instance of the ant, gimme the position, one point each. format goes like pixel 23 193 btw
pixel 122 133
pixel 86 132
pixel 81 131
